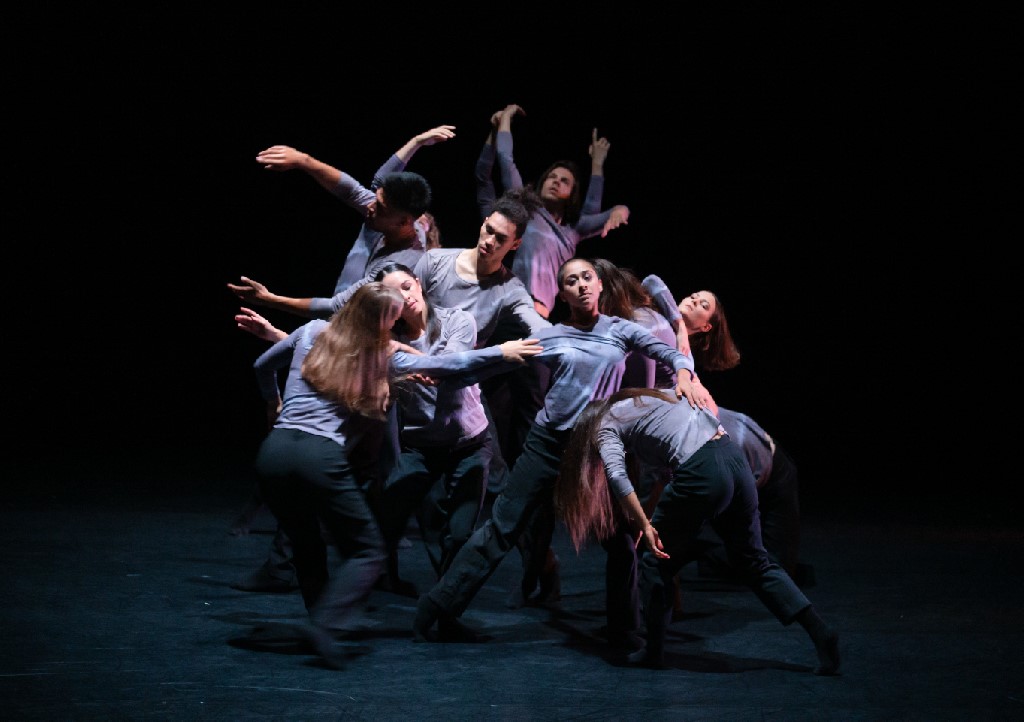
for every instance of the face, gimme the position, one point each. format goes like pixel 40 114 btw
pixel 557 185
pixel 382 218
pixel 412 293
pixel 497 237
pixel 697 310
pixel 581 287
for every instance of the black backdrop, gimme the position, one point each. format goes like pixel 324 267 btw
pixel 769 155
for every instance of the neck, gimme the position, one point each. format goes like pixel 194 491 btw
pixel 485 265
pixel 556 209
pixel 583 318
pixel 468 264
pixel 417 326
pixel 400 237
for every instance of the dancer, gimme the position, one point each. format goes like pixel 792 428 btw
pixel 585 358
pixel 711 479
pixel 473 280
pixel 393 205
pixel 338 387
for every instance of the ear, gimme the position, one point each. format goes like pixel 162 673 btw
pixel 706 327
pixel 515 244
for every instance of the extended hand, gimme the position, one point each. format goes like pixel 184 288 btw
pixel 697 396
pixel 598 149
pixel 250 290
pixel 619 217
pixel 436 135
pixel 249 320
pixel 508 112
pixel 280 158
pixel 520 350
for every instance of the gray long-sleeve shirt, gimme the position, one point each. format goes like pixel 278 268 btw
pixel 305 409
pixel 658 432
pixel 757 445
pixel 496 297
pixel 369 251
pixel 446 414
pixel 587 365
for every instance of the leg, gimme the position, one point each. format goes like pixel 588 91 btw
pixel 286 493
pixel 741 531
pixel 541 565
pixel 277 574
pixel 694 495
pixel 779 506
pixel 622 594
pixel 465 483
pixel 530 484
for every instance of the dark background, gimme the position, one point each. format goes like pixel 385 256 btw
pixel 785 160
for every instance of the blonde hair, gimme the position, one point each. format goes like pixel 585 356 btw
pixel 349 361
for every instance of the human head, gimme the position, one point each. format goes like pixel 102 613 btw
pixel 579 285
pixel 416 311
pixel 502 231
pixel 711 342
pixel 401 198
pixel 623 292
pixel 349 360
pixel 559 185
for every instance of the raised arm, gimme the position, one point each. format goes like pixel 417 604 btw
pixel 428 137
pixel 598 151
pixel 282 158
pixel 483 173
pixel 510 176
pixel 403 155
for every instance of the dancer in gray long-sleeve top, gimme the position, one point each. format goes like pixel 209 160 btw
pixel 585 358
pixel 711 480
pixel 337 385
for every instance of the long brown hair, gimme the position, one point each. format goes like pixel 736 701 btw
pixel 582 497
pixel 623 292
pixel 715 350
pixel 349 360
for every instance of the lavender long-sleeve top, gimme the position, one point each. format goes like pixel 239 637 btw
pixel 643 371
pixel 546 243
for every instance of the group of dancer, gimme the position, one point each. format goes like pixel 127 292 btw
pixel 395 388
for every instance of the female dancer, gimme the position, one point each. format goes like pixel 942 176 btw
pixel 585 357
pixel 338 387
pixel 711 479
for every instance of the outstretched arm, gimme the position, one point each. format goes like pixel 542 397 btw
pixel 255 292
pixel 258 326
pixel 283 158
